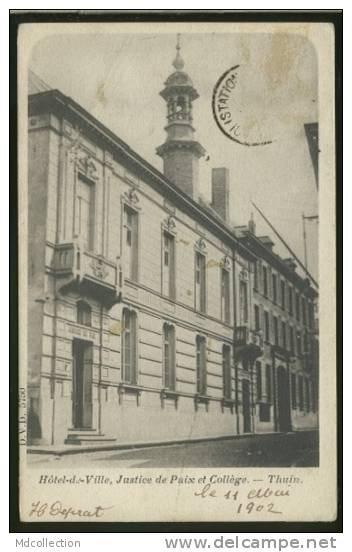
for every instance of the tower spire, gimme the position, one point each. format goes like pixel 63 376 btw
pixel 178 62
pixel 180 151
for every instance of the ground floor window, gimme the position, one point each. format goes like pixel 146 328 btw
pixel 308 401
pixel 300 393
pixel 293 391
pixel 268 383
pixel 201 365
pixel 169 364
pixel 129 347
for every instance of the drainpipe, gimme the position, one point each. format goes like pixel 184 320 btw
pixel 289 391
pixel 252 395
pixel 274 390
pixel 234 300
pixel 60 182
pixel 100 365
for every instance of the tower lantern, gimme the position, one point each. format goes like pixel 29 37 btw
pixel 180 151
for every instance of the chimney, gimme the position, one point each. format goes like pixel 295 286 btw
pixel 291 264
pixel 266 241
pixel 220 192
pixel 251 225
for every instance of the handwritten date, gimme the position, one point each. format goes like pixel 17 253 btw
pixel 256 499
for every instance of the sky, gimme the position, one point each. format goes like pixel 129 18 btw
pixel 117 77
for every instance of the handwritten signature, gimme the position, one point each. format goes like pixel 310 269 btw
pixel 57 509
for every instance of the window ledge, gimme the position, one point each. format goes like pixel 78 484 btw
pixel 227 403
pixel 201 399
pixel 130 388
pixel 169 394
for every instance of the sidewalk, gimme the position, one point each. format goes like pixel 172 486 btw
pixel 60 450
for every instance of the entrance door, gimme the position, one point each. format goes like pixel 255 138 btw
pixel 283 399
pixel 82 384
pixel 246 403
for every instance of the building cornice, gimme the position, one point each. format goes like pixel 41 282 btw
pixel 63 106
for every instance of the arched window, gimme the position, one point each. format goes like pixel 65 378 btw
pixel 84 313
pixel 129 347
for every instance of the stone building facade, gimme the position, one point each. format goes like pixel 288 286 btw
pixel 142 299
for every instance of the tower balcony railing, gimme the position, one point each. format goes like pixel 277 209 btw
pixel 88 272
pixel 180 116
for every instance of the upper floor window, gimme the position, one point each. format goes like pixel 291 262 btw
pixel 299 343
pixel 265 281
pixel 292 341
pixel 283 294
pixel 283 334
pixel 84 213
pixel 243 302
pixel 168 265
pixel 169 357
pixel 290 300
pixel 130 243
pixel 226 371
pixel 298 309
pixel 274 286
pixel 310 314
pixel 129 346
pixel 200 293
pixel 305 343
pixel 201 367
pixel 304 312
pixel 266 326
pixel 257 317
pixel 84 313
pixel 276 330
pixel 256 275
pixel 225 295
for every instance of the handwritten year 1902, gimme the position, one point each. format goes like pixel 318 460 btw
pixel 250 506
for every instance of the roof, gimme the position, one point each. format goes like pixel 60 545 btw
pixel 285 266
pixel 57 101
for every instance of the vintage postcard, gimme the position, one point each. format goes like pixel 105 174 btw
pixel 177 272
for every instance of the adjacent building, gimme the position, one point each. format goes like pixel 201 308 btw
pixel 150 317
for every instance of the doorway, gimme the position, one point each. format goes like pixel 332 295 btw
pixel 82 404
pixel 246 403
pixel 283 400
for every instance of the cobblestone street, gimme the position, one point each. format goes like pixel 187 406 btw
pixel 282 450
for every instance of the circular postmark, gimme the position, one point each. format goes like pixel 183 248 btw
pixel 235 119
